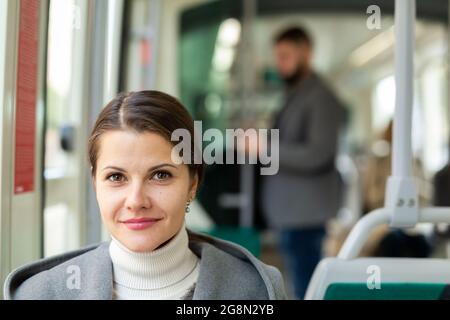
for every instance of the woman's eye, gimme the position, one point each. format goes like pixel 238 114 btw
pixel 162 175
pixel 116 177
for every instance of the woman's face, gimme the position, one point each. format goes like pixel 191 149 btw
pixel 141 192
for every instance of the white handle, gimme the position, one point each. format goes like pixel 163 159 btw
pixel 361 231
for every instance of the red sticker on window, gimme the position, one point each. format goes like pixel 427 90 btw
pixel 27 67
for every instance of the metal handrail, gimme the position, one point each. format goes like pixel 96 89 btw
pixel 361 231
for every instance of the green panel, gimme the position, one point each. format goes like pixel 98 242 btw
pixel 388 291
pixel 195 54
pixel 249 238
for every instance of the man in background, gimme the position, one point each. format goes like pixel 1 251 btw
pixel 305 194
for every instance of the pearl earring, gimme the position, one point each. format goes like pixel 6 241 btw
pixel 187 206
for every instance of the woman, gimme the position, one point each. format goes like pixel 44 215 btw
pixel 143 192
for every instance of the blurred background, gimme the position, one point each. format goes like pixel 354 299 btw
pixel 65 59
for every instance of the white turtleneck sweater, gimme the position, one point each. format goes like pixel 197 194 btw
pixel 168 273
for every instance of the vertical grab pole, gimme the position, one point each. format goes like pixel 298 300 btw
pixel 401 195
pixel 404 71
pixel 247 180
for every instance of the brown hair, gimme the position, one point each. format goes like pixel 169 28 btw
pixel 143 111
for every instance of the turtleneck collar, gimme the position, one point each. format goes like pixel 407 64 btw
pixel 161 268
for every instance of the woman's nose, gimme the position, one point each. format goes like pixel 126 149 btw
pixel 137 199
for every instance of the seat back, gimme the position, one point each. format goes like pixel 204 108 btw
pixel 379 279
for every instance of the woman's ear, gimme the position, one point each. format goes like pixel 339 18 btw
pixel 94 182
pixel 193 187
pixel 93 178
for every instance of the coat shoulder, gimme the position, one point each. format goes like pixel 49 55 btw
pixel 276 279
pixel 245 276
pixel 43 279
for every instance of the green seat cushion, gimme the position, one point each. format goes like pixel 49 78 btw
pixel 387 291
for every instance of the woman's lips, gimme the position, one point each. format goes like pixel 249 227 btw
pixel 140 223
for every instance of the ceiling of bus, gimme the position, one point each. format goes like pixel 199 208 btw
pixel 434 10
pixel 211 11
pixel 336 26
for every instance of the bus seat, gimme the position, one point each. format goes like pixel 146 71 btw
pixel 399 279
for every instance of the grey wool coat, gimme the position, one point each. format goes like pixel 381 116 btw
pixel 306 191
pixel 227 271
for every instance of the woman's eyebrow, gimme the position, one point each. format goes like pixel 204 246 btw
pixel 150 169
pixel 114 168
pixel 162 165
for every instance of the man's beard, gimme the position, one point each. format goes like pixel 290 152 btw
pixel 294 78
